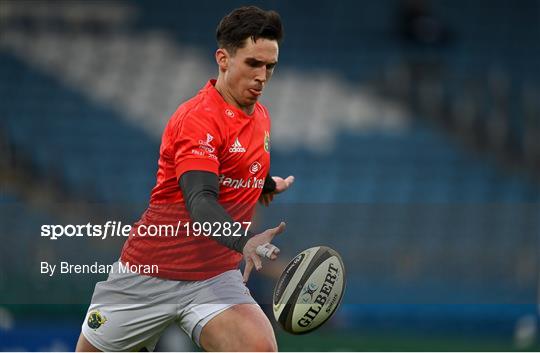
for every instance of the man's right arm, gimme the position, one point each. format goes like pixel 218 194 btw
pixel 200 190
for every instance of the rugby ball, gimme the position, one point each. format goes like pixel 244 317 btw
pixel 309 290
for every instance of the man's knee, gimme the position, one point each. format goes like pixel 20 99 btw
pixel 247 342
pixel 261 344
pixel 242 327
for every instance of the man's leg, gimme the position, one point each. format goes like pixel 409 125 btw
pixel 84 346
pixel 242 327
pixel 128 312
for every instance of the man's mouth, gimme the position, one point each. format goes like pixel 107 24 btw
pixel 255 92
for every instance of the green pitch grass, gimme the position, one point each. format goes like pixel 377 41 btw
pixel 325 341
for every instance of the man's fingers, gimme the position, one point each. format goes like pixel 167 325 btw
pixel 256 261
pixel 275 231
pixel 270 251
pixel 283 184
pixel 289 180
pixel 278 230
pixel 274 254
pixel 247 270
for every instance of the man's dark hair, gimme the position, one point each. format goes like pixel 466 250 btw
pixel 248 22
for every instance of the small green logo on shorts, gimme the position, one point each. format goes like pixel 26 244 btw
pixel 95 319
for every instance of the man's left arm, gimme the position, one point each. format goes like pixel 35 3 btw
pixel 274 185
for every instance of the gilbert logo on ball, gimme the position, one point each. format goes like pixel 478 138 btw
pixel 309 290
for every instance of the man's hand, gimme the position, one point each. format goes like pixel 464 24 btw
pixel 263 242
pixel 281 185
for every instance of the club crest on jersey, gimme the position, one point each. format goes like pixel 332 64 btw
pixel 255 167
pixel 205 145
pixel 95 319
pixel 267 141
pixel 237 147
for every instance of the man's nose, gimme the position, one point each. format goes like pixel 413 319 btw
pixel 261 75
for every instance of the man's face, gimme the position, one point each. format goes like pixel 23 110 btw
pixel 247 71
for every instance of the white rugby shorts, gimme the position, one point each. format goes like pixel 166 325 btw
pixel 129 311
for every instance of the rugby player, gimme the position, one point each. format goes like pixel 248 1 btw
pixel 213 167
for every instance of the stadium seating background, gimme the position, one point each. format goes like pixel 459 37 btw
pixel 438 228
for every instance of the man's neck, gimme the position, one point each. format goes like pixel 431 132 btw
pixel 229 98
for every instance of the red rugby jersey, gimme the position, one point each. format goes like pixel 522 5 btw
pixel 205 133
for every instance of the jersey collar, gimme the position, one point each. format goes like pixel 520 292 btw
pixel 216 96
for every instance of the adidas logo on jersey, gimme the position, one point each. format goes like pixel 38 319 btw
pixel 237 147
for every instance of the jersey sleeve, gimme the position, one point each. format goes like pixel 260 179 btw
pixel 196 143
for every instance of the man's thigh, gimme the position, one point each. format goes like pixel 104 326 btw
pixel 84 346
pixel 242 327
pixel 128 312
pixel 127 327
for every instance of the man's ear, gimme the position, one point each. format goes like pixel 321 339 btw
pixel 222 59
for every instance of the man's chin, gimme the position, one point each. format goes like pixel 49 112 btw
pixel 251 100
